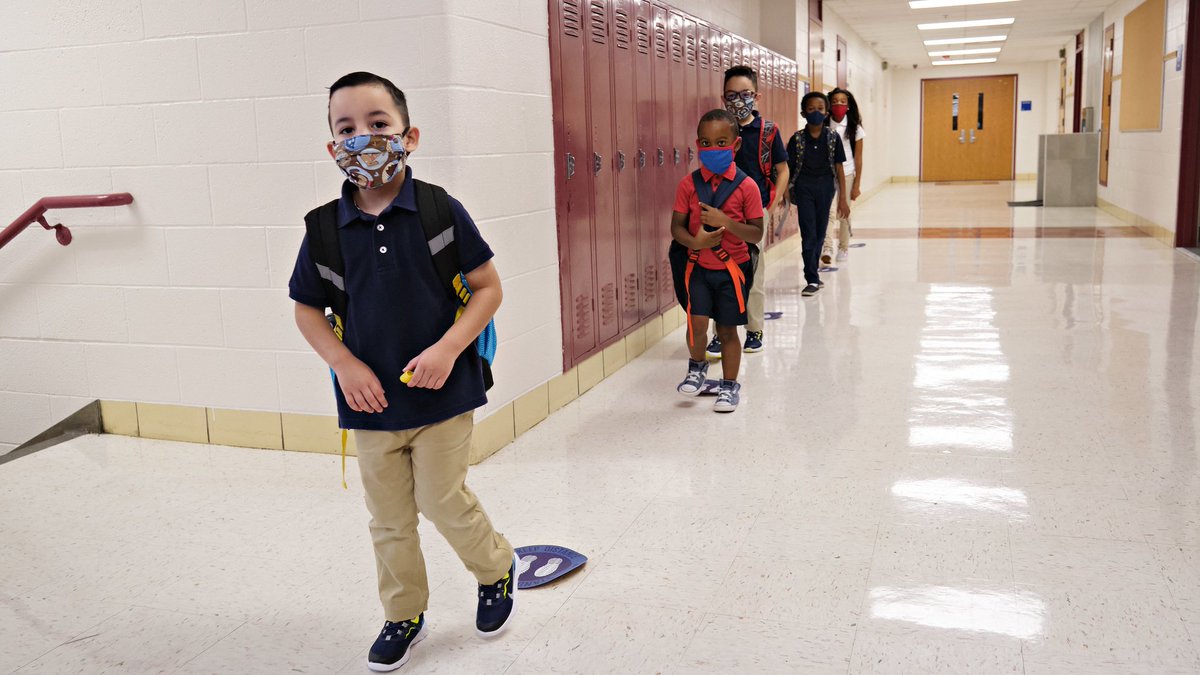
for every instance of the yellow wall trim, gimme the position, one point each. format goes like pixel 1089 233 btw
pixel 1164 235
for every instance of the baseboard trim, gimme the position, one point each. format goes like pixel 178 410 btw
pixel 1164 236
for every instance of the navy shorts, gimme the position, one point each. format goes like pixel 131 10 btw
pixel 713 295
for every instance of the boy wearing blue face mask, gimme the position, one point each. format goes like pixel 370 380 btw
pixel 815 158
pixel 718 211
pixel 408 376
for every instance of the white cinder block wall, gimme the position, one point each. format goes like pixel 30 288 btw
pixel 1144 165
pixel 213 115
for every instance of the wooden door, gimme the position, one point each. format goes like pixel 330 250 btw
pixel 1106 102
pixel 1078 93
pixel 843 64
pixel 968 128
pixel 816 54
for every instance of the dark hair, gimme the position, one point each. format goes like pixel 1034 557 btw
pixel 719 115
pixel 361 78
pixel 811 95
pixel 742 71
pixel 853 118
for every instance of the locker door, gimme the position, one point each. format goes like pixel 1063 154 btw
pixel 574 194
pixel 667 48
pixel 691 94
pixel 651 216
pixel 602 164
pixel 625 110
pixel 704 93
pixel 717 77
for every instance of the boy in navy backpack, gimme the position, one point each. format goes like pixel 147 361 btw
pixel 718 211
pixel 408 373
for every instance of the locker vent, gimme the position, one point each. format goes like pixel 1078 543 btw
pixel 643 36
pixel 676 46
pixel 660 39
pixel 608 304
pixel 715 48
pixel 667 284
pixel 583 316
pixel 599 22
pixel 621 29
pixel 631 292
pixel 651 285
pixel 690 52
pixel 704 55
pixel 572 20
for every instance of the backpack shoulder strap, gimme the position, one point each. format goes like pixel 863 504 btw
pixel 766 138
pixel 325 249
pixel 704 191
pixel 433 207
pixel 727 188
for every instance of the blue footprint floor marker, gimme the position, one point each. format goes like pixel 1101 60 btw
pixel 857 245
pixel 540 565
pixel 827 269
pixel 771 316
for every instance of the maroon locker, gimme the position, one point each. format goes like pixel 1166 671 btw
pixel 601 164
pixel 665 41
pixel 625 162
pixel 717 77
pixel 574 202
pixel 691 95
pixel 704 66
pixel 651 216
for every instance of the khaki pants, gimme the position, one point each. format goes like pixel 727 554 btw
pixel 841 225
pixel 756 302
pixel 424 470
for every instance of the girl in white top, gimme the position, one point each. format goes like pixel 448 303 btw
pixel 846 120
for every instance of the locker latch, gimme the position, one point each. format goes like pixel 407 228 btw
pixel 661 157
pixel 570 166
pixel 676 155
pixel 691 155
pixel 641 159
pixel 620 161
pixel 597 163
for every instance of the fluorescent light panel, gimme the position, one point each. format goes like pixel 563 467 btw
pixel 965 40
pixel 962 62
pixel 931 4
pixel 965 52
pixel 966 24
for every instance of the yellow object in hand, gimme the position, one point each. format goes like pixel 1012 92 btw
pixel 406 377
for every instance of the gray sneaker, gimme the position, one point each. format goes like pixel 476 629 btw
pixel 728 396
pixel 693 384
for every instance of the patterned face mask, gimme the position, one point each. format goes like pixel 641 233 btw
pixel 371 161
pixel 740 103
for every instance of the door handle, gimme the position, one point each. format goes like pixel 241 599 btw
pixel 972 135
pixel 570 166
pixel 962 136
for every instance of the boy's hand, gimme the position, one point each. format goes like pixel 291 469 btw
pixel 361 387
pixel 855 193
pixel 713 217
pixel 432 367
pixel 706 239
pixel 843 208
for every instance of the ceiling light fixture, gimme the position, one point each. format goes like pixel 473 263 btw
pixel 931 4
pixel 964 52
pixel 966 24
pixel 962 62
pixel 965 40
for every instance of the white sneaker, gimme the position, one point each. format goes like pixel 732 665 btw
pixel 842 255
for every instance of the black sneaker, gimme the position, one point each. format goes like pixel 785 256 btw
pixel 811 289
pixel 714 349
pixel 497 604
pixel 753 342
pixel 393 647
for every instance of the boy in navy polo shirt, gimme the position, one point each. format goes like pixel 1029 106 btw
pixel 816 158
pixel 763 157
pixel 413 436
pixel 717 238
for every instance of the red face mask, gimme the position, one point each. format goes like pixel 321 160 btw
pixel 839 111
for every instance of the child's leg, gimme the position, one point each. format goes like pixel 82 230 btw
pixel 844 233
pixel 824 205
pixel 699 337
pixel 756 303
pixel 731 351
pixel 806 213
pixel 440 454
pixel 385 461
pixel 827 249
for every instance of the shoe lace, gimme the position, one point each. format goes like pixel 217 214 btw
pixel 496 591
pixel 754 335
pixel 399 628
pixel 725 396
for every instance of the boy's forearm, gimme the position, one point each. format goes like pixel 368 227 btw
pixel 751 232
pixel 475 317
pixel 681 235
pixel 783 178
pixel 316 330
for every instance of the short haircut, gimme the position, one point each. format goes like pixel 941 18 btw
pixel 742 71
pixel 719 115
pixel 361 78
pixel 811 95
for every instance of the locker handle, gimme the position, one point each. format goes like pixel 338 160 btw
pixel 570 166
pixel 620 161
pixel 597 163
pixel 641 159
pixel 661 157
pixel 676 155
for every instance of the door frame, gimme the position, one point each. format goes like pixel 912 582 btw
pixel 1188 211
pixel 1108 64
pixel 1079 42
pixel 921 119
pixel 843 63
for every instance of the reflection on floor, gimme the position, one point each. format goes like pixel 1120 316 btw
pixel 965 455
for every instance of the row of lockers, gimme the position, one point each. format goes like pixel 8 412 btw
pixel 631 79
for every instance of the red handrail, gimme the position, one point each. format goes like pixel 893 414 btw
pixel 37 213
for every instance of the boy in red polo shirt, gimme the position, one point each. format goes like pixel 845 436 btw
pixel 718 209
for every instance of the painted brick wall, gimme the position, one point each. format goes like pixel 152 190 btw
pixel 213 115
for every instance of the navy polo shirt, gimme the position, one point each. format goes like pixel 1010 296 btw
pixel 747 155
pixel 397 307
pixel 814 153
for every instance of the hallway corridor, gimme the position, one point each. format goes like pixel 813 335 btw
pixel 975 451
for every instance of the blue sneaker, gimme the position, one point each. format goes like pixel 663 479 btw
pixel 497 604
pixel 753 342
pixel 393 647
pixel 714 349
pixel 728 396
pixel 693 384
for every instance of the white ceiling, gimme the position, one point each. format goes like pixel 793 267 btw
pixel 1042 27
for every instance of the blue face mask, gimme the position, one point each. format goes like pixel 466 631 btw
pixel 815 117
pixel 716 160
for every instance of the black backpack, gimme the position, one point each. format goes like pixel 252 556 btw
pixel 433 207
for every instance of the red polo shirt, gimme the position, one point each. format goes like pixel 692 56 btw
pixel 743 205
